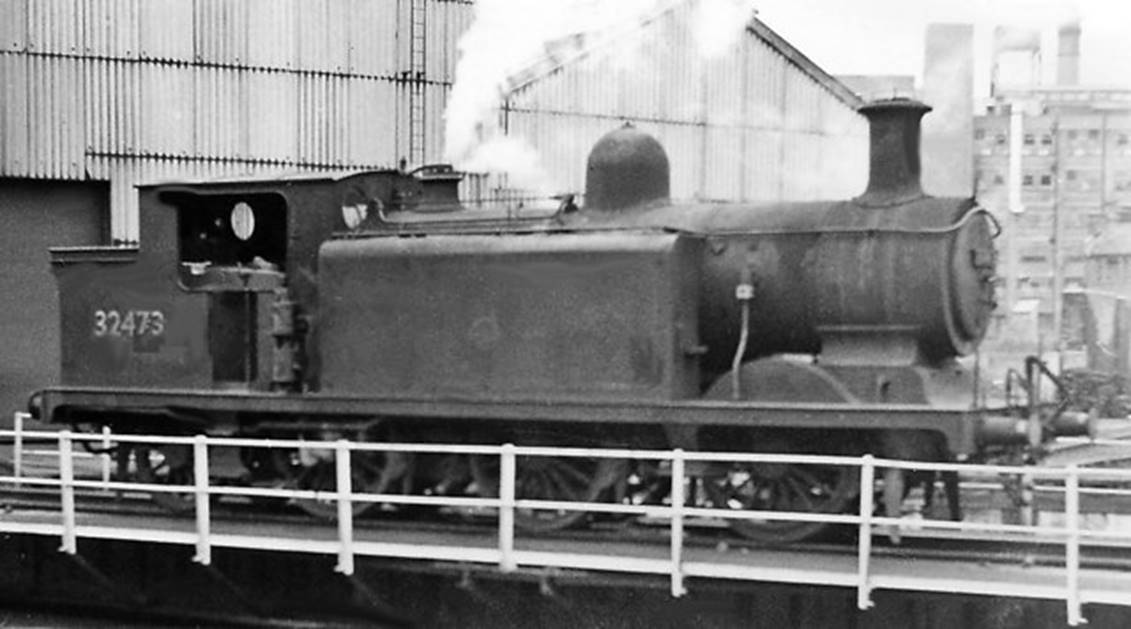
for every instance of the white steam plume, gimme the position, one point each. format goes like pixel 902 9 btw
pixel 718 24
pixel 508 36
pixel 517 158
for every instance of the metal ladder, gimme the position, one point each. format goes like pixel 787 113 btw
pixel 418 61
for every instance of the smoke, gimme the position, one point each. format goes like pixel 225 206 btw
pixel 718 24
pixel 507 36
pixel 513 156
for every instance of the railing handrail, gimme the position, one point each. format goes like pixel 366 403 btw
pixel 1070 534
pixel 580 452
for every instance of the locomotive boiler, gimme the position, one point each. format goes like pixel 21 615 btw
pixel 375 306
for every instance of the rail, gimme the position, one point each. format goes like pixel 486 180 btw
pixel 866 575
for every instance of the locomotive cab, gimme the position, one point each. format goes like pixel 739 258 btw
pixel 214 295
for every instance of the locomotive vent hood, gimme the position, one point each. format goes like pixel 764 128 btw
pixel 894 168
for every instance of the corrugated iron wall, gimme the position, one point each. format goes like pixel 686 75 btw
pixel 135 90
pixel 751 124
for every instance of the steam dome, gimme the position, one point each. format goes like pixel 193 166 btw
pixel 626 168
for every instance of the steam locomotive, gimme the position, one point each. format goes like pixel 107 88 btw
pixel 374 306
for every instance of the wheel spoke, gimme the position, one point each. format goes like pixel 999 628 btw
pixel 166 474
pixel 561 486
pixel 568 468
pixel 322 476
pixel 549 478
pixel 805 476
pixel 802 492
pixel 784 487
pixel 370 465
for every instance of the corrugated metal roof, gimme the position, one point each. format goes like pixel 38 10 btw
pixel 365 38
pixel 283 176
pixel 578 46
pixel 748 123
pixel 806 65
pixel 132 90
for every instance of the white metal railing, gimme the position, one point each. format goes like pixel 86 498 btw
pixel 677 565
pixel 20 451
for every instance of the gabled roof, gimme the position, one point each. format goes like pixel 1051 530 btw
pixel 287 177
pixel 566 50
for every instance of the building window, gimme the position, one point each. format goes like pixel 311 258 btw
pixel 1093 134
pixel 1072 134
pixel 1000 138
pixel 1070 175
pixel 1026 180
pixel 1046 140
pixel 979 134
pixel 1121 140
pixel 1046 180
pixel 1029 139
pixel 998 179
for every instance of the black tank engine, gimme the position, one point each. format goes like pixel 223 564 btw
pixel 374 305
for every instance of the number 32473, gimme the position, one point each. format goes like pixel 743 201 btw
pixel 129 323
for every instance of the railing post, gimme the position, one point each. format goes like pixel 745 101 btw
pixel 107 460
pixel 507 479
pixel 679 498
pixel 864 556
pixel 1072 544
pixel 18 447
pixel 345 507
pixel 203 508
pixel 67 492
pixel 1028 508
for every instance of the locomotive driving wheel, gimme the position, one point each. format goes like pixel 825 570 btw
pixel 557 478
pixel 315 469
pixel 166 465
pixel 784 487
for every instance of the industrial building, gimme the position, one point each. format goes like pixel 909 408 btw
pixel 1054 163
pixel 101 95
pixel 1072 180
pixel 757 122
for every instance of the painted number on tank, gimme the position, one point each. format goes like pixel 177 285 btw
pixel 129 323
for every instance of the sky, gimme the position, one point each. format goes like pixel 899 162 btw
pixel 886 36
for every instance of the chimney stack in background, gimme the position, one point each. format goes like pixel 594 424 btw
pixel 1068 54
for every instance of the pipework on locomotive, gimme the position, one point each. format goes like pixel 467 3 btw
pixel 374 306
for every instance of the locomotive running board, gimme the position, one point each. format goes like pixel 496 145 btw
pixel 960 427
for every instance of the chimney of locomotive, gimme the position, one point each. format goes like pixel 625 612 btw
pixel 894 170
pixel 626 168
